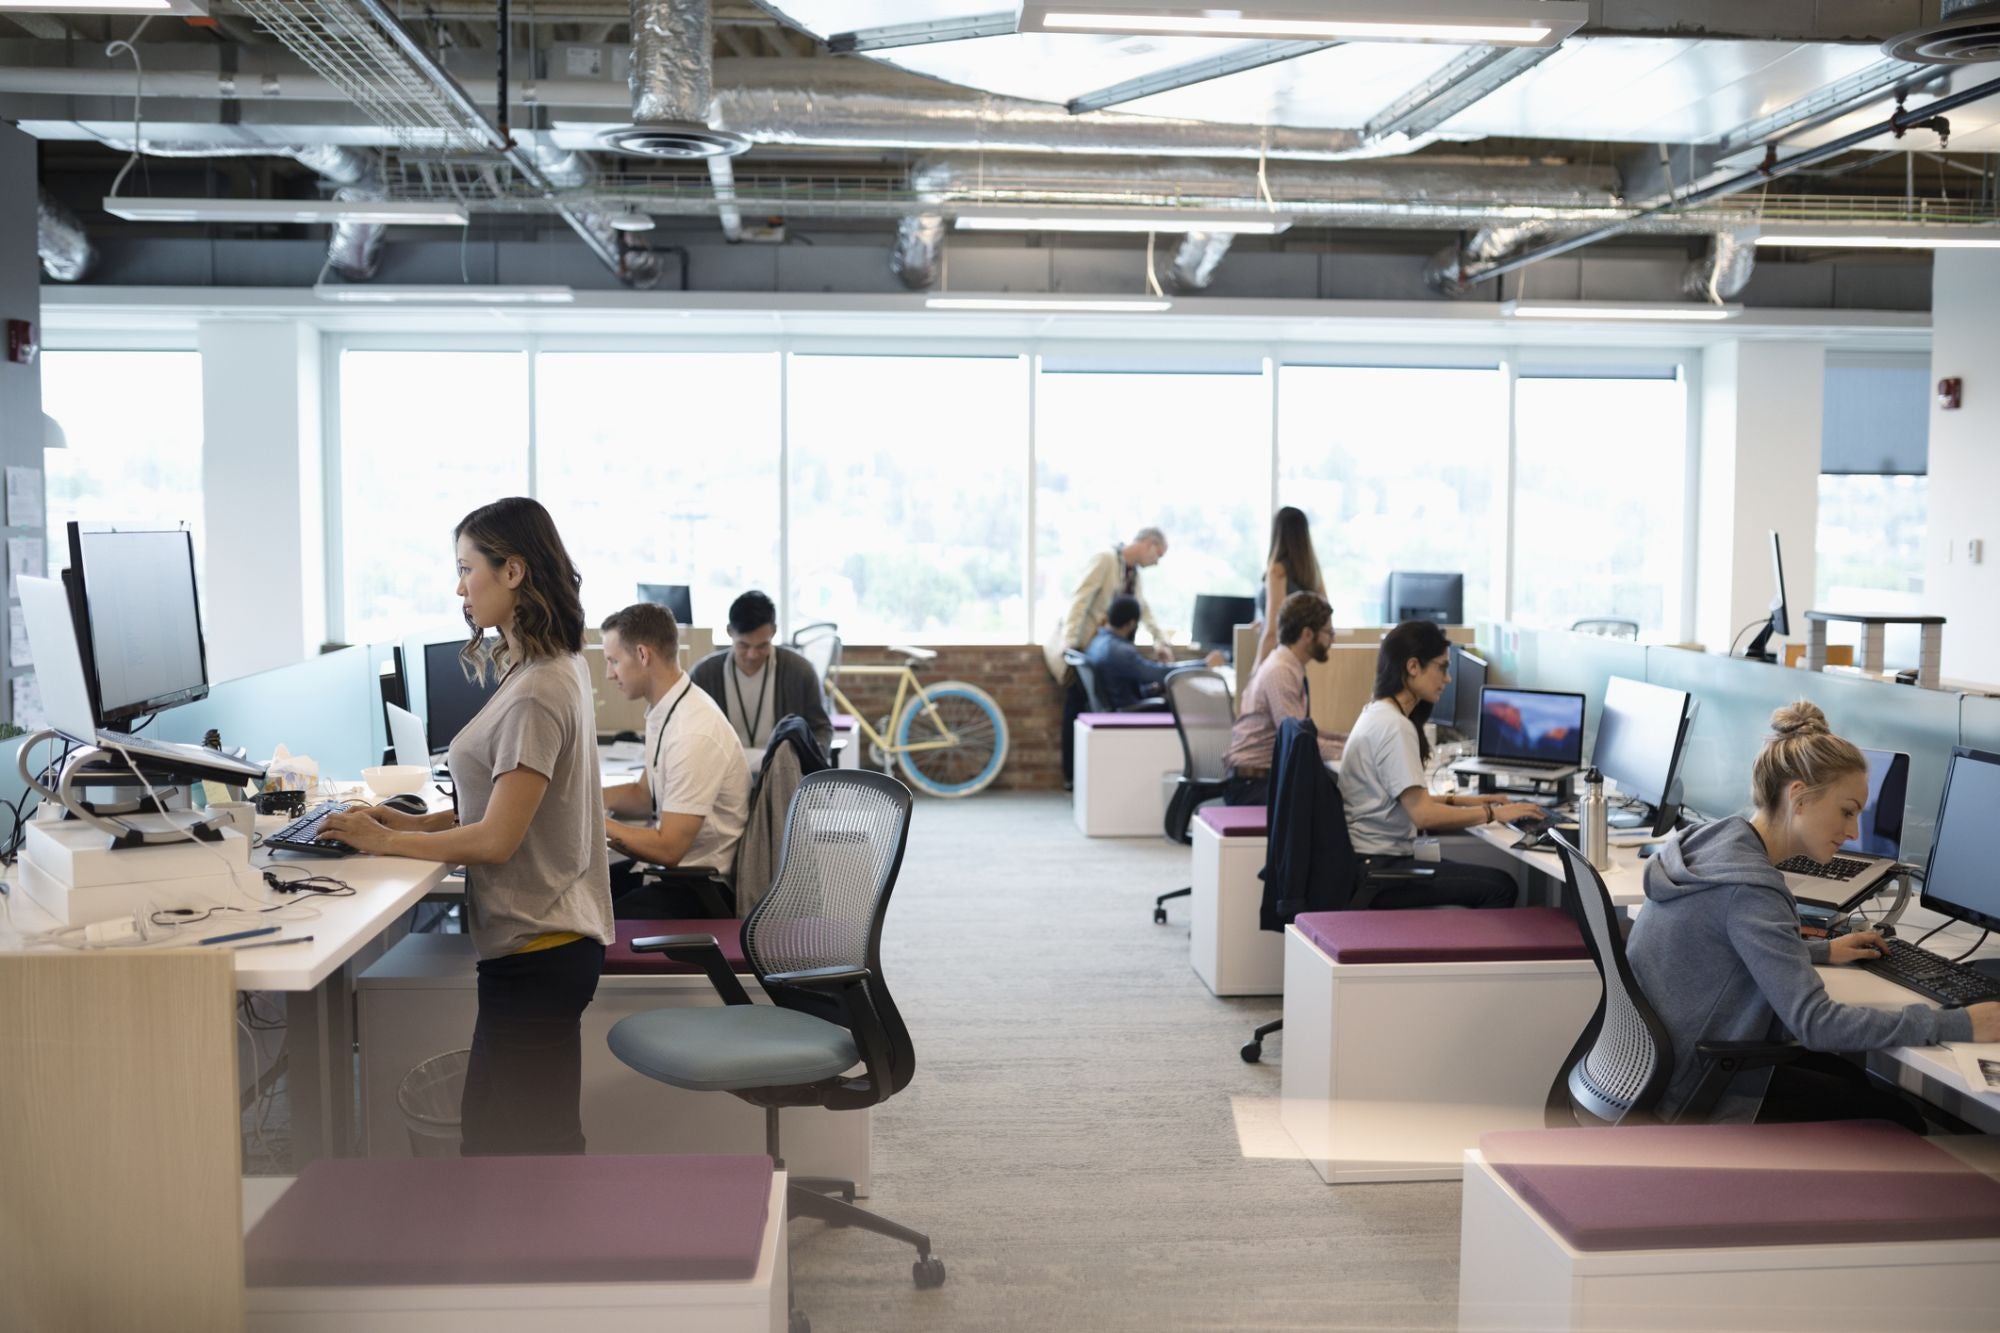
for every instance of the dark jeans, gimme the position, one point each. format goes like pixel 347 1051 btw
pixel 1246 791
pixel 1075 703
pixel 1450 884
pixel 526 1072
pixel 1826 1087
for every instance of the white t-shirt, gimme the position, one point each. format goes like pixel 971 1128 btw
pixel 751 702
pixel 695 767
pixel 1380 764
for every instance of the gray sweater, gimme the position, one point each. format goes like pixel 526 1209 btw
pixel 797 689
pixel 1717 951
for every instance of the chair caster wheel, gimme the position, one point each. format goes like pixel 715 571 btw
pixel 1159 916
pixel 928 1272
pixel 1253 1052
pixel 798 1323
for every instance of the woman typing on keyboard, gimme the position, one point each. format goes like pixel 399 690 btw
pixel 528 830
pixel 1718 952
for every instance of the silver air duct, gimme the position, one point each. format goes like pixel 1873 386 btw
pixel 67 254
pixel 919 245
pixel 1722 273
pixel 1444 274
pixel 1967 32
pixel 673 47
pixel 1195 262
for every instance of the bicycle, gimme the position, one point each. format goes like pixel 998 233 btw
pixel 950 738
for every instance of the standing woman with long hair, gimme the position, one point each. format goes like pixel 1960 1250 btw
pixel 529 830
pixel 1291 567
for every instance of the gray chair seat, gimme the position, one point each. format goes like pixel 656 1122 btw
pixel 736 1046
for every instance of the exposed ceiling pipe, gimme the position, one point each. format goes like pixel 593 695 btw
pixel 1724 271
pixel 65 248
pixel 1445 273
pixel 919 247
pixel 1196 261
pixel 673 53
pixel 723 177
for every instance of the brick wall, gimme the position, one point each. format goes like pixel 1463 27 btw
pixel 1016 678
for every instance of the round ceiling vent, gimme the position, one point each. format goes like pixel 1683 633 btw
pixel 632 220
pixel 682 140
pixel 1968 34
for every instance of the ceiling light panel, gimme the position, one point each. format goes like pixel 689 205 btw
pixel 1051 304
pixel 1884 238
pixel 1479 22
pixel 394 212
pixel 185 8
pixel 365 294
pixel 1632 311
pixel 1169 221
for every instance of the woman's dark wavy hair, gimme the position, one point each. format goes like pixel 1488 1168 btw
pixel 1292 547
pixel 1422 640
pixel 548 609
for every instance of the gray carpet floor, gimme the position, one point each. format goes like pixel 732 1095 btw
pixel 1082 1141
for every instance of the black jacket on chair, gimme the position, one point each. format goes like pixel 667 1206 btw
pixel 1309 864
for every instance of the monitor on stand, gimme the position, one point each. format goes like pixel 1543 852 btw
pixel 137 609
pixel 1216 619
pixel 1959 881
pixel 1468 682
pixel 1640 735
pixel 1780 621
pixel 674 596
pixel 450 699
pixel 395 682
pixel 1439 598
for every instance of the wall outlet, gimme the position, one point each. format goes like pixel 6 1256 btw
pixel 1974 550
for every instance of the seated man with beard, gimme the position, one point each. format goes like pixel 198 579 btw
pixel 1277 692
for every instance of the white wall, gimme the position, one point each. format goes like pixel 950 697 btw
pixel 262 492
pixel 1965 464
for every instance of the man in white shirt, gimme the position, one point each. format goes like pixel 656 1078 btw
pixel 695 785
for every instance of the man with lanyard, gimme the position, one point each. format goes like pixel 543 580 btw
pixel 695 784
pixel 755 682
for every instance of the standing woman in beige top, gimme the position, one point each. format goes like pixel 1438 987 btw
pixel 1292 567
pixel 529 830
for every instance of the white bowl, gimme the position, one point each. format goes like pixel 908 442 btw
pixel 396 779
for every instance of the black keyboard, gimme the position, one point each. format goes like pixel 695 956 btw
pixel 302 834
pixel 1931 976
pixel 1840 867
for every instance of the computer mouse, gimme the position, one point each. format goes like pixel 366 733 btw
pixel 409 803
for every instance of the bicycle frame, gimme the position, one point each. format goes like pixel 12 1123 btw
pixel 906 682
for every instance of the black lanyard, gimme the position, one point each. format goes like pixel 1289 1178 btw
pixel 658 745
pixel 750 719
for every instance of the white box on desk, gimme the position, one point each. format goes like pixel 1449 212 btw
pixel 69 870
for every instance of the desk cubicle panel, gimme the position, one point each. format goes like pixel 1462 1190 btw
pixel 329 707
pixel 1734 699
pixel 1556 659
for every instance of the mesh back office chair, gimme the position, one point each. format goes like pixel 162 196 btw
pixel 1623 1063
pixel 1203 715
pixel 815 943
pixel 1610 629
pixel 819 644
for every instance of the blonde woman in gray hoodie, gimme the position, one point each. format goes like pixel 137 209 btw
pixel 1718 952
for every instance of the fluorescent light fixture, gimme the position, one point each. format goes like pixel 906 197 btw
pixel 1964 236
pixel 186 8
pixel 1242 222
pixel 1469 22
pixel 447 294
pixel 1619 310
pixel 403 213
pixel 1053 304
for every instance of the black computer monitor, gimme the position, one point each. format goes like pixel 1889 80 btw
pixel 1417 596
pixel 1881 820
pixel 1959 880
pixel 1540 726
pixel 137 609
pixel 1639 738
pixel 1468 683
pixel 450 700
pixel 1216 619
pixel 673 596
pixel 1780 621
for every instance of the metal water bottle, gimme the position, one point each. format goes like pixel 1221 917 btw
pixel 1592 820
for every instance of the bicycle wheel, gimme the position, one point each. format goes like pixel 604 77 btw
pixel 977 724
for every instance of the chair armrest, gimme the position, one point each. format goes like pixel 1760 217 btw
pixel 871 1040
pixel 1723 1060
pixel 703 951
pixel 820 978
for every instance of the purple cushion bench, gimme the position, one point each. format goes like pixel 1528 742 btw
pixel 1408 1034
pixel 1126 764
pixel 623 1242
pixel 1570 1227
pixel 1229 952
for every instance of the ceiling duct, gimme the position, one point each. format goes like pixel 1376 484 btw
pixel 1195 262
pixel 919 246
pixel 66 251
pixel 1724 271
pixel 1967 33
pixel 1445 273
pixel 673 45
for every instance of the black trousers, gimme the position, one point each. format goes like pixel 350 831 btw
pixel 526 1072
pixel 1075 703
pixel 1246 791
pixel 1825 1087
pixel 1450 884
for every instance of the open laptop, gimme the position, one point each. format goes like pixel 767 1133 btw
pixel 1870 858
pixel 407 738
pixel 1539 732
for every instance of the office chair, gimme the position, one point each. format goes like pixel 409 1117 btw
pixel 1609 629
pixel 1203 715
pixel 819 644
pixel 1623 1063
pixel 1086 676
pixel 815 943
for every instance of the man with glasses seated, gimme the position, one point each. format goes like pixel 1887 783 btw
pixel 756 683
pixel 1278 692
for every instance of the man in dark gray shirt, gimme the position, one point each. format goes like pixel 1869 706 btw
pixel 755 682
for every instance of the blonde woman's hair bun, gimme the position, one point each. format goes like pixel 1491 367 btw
pixel 1802 717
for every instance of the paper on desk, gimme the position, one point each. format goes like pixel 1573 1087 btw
pixel 1978 1063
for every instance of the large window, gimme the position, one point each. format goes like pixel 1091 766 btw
pixel 1186 453
pixel 1397 468
pixel 425 438
pixel 1598 501
pixel 133 423
pixel 908 496
pixel 662 468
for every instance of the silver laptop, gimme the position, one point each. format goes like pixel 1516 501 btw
pixel 1537 732
pixel 407 737
pixel 1864 863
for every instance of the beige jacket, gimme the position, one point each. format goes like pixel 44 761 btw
pixel 1090 605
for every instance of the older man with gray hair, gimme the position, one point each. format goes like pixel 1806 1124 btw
pixel 1112 572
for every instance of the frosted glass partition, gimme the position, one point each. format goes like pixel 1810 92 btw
pixel 1733 703
pixel 1979 722
pixel 1559 660
pixel 328 707
pixel 11 785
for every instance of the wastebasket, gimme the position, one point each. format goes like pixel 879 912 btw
pixel 429 1096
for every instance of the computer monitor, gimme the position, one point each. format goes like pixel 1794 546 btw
pixel 138 617
pixel 1216 619
pixel 1881 820
pixel 1540 726
pixel 450 700
pixel 1468 675
pixel 1780 621
pixel 673 596
pixel 1417 596
pixel 1639 738
pixel 1960 881
pixel 1445 711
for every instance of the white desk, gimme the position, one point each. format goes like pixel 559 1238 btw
pixel 1928 1071
pixel 1626 879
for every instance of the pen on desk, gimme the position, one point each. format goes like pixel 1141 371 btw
pixel 265 944
pixel 241 935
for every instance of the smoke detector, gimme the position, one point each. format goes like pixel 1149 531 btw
pixel 679 140
pixel 1967 34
